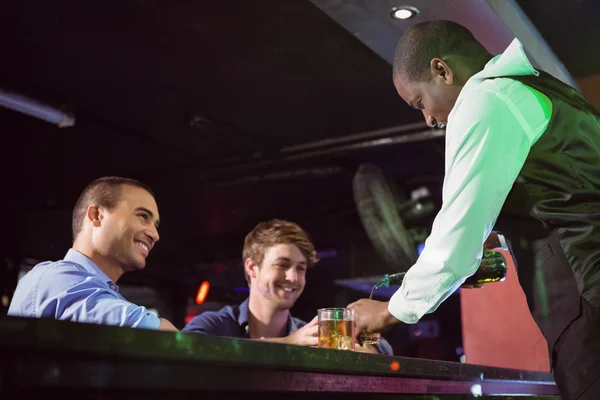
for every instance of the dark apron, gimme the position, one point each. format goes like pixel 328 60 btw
pixel 570 324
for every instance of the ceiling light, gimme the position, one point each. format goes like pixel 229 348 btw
pixel 18 102
pixel 404 12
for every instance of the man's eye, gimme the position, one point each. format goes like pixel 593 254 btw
pixel 144 216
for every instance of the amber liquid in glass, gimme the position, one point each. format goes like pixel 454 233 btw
pixel 336 334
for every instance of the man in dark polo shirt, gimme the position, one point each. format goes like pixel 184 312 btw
pixel 276 256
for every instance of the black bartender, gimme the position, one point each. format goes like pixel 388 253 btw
pixel 522 155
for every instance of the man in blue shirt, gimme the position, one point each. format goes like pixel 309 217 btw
pixel 276 256
pixel 115 226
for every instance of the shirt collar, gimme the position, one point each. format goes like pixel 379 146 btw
pixel 244 312
pixel 243 315
pixel 78 258
pixel 513 62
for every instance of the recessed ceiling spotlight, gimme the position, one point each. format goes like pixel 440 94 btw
pixel 404 12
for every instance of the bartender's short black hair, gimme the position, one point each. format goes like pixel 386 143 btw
pixel 428 40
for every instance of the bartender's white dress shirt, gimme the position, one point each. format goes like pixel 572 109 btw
pixel 490 130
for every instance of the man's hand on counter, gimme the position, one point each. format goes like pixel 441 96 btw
pixel 372 316
pixel 308 335
pixel 166 325
pixel 366 348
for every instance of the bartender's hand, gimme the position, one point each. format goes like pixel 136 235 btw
pixel 473 286
pixel 372 316
pixel 492 242
pixel 308 335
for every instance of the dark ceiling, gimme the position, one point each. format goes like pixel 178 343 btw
pixel 207 102
pixel 571 30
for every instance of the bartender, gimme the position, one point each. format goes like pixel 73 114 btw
pixel 523 150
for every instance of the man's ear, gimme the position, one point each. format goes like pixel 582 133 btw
pixel 441 70
pixel 94 214
pixel 251 268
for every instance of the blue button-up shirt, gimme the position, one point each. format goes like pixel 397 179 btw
pixel 75 289
pixel 232 321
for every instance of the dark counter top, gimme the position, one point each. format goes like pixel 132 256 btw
pixel 43 353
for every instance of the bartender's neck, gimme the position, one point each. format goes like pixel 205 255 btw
pixel 264 320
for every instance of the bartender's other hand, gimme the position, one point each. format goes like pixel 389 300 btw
pixel 372 316
pixel 308 335
pixel 473 286
pixel 492 242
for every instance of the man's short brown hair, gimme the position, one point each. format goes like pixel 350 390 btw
pixel 271 233
pixel 105 192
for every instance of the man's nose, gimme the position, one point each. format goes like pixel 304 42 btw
pixel 153 233
pixel 431 122
pixel 292 275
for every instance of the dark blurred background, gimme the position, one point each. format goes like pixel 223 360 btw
pixel 236 112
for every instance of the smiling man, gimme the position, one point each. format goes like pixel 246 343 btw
pixel 276 257
pixel 115 226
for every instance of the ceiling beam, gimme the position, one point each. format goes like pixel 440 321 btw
pixel 511 14
pixel 495 23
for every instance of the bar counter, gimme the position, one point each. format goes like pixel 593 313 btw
pixel 58 358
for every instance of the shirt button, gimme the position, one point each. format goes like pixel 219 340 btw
pixel 113 287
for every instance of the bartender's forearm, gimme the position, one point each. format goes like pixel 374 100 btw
pixel 388 319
